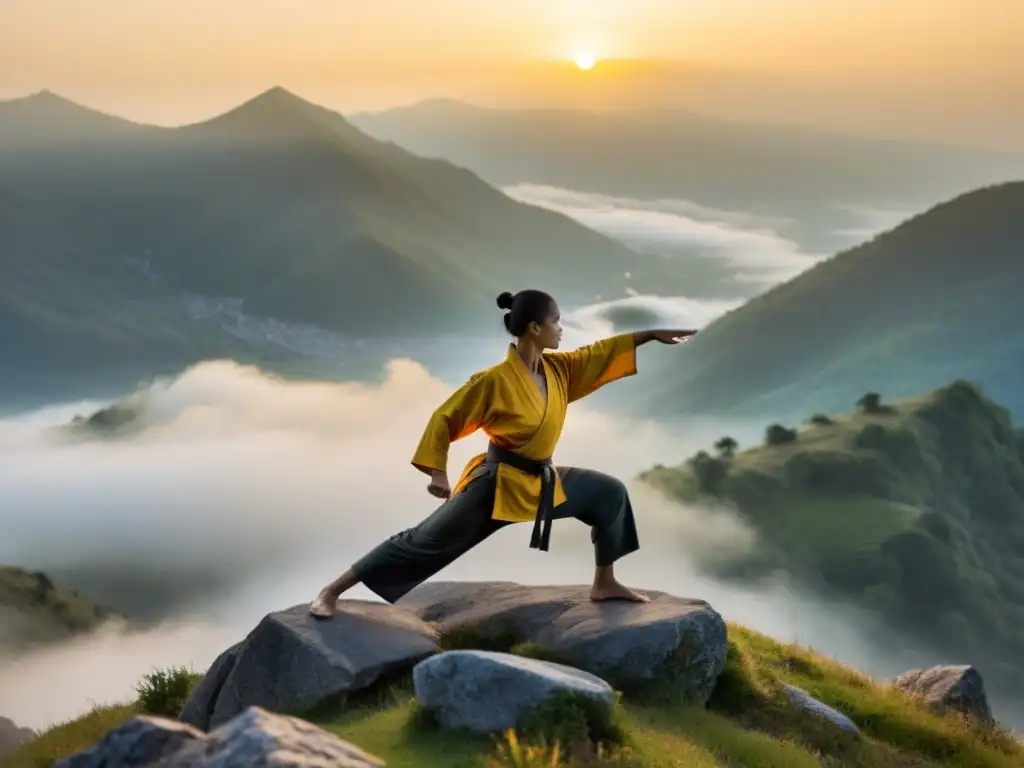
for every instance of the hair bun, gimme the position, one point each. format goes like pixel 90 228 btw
pixel 505 300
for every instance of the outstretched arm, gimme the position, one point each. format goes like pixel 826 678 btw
pixel 589 368
pixel 664 336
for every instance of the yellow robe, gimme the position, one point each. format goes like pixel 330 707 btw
pixel 508 406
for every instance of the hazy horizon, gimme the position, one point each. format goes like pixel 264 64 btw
pixel 952 73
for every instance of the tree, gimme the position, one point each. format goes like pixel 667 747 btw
pixel 709 472
pixel 870 402
pixel 777 434
pixel 726 447
pixel 820 419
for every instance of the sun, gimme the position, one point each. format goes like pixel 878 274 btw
pixel 584 60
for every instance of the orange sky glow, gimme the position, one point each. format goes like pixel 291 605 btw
pixel 175 61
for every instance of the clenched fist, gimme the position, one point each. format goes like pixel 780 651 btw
pixel 439 485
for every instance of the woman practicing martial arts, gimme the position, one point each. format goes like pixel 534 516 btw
pixel 520 404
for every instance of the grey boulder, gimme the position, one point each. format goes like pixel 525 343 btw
pixel 254 739
pixel 142 741
pixel 486 691
pixel 949 688
pixel 803 701
pixel 671 639
pixel 291 662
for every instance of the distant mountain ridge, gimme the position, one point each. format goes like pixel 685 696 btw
pixel 780 170
pixel 934 299
pixel 106 227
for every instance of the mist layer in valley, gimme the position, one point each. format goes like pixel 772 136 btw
pixel 236 493
pixel 727 255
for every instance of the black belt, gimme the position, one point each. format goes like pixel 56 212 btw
pixel 545 469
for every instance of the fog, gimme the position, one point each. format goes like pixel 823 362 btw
pixel 241 493
pixel 748 243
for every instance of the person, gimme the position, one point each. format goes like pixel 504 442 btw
pixel 520 403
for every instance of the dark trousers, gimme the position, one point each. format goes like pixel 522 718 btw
pixel 407 559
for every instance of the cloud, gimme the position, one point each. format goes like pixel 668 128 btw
pixel 749 242
pixel 637 312
pixel 244 493
pixel 870 220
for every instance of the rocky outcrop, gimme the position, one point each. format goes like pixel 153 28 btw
pixel 11 735
pixel 486 691
pixel 142 741
pixel 291 662
pixel 803 701
pixel 254 739
pixel 949 688
pixel 671 640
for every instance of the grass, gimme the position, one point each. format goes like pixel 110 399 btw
pixel 163 692
pixel 748 722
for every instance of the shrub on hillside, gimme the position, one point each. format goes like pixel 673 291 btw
pixel 753 488
pixel 900 446
pixel 820 420
pixel 163 692
pixel 858 574
pixel 709 472
pixel 726 447
pixel 939 526
pixel 840 473
pixel 931 582
pixel 777 434
pixel 870 402
pixel 43 587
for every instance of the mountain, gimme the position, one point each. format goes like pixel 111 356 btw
pixel 11 736
pixel 46 120
pixel 935 299
pixel 913 510
pixel 673 153
pixel 33 611
pixel 128 250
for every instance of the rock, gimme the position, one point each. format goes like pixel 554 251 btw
pixel 486 691
pixel 802 700
pixel 12 736
pixel 254 739
pixel 949 688
pixel 292 662
pixel 259 739
pixel 142 741
pixel 203 699
pixel 670 639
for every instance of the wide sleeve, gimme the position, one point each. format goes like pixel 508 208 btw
pixel 589 368
pixel 459 416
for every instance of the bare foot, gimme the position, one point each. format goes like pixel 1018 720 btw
pixel 323 606
pixel 616 591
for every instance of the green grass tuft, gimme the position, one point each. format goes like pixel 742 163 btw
pixel 163 692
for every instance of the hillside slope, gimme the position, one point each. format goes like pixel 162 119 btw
pixel 748 722
pixel 649 153
pixel 935 299
pixel 914 510
pixel 33 610
pixel 127 246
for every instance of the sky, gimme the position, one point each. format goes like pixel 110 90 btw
pixel 914 62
